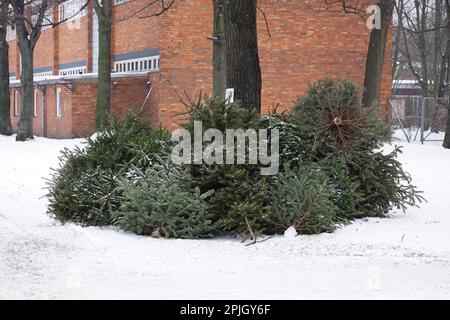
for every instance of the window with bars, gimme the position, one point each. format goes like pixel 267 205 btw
pixel 137 65
pixel 46 23
pixel 72 9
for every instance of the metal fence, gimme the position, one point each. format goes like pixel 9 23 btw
pixel 419 118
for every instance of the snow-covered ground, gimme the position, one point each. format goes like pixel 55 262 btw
pixel 405 257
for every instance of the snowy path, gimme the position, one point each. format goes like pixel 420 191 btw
pixel 407 256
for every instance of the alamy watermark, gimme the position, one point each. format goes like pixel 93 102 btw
pixel 232 147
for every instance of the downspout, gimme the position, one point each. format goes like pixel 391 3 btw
pixel 44 112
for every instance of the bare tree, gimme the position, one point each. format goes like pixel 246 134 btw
pixel 219 52
pixel 242 56
pixel 376 54
pixel 103 9
pixel 423 53
pixel 377 45
pixel 424 48
pixel 445 73
pixel 28 32
pixel 5 117
pixel 398 15
pixel 29 17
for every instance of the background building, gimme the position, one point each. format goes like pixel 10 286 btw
pixel 157 60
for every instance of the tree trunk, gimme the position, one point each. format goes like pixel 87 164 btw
pixel 219 53
pixel 103 105
pixel 447 132
pixel 5 103
pixel 375 56
pixel 396 53
pixel 25 130
pixel 241 41
pixel 443 77
pixel 28 37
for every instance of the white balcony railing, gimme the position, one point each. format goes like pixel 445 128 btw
pixel 73 71
pixel 42 75
pixel 137 65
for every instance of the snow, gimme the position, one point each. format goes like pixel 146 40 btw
pixel 291 232
pixel 404 257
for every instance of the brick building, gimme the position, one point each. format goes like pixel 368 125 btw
pixel 157 59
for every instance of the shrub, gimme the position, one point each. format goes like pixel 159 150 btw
pixel 302 198
pixel 335 122
pixel 337 128
pixel 160 202
pixel 79 193
pixel 241 193
pixel 332 171
pixel 240 198
pixel 83 189
pixel 295 146
pixel 384 184
pixel 347 197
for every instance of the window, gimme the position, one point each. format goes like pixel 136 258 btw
pixel 16 103
pixel 46 23
pixel 72 9
pixel 58 102
pixel 137 65
pixel 35 112
pixel 116 2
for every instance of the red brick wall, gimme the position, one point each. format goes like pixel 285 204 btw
pixel 37 120
pixel 309 41
pixel 67 42
pixel 131 33
pixel 78 106
pixel 152 109
pixel 73 44
pixel 127 94
pixel 44 51
pixel 14 57
pixel 58 127
pixel 83 109
pixel 186 56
